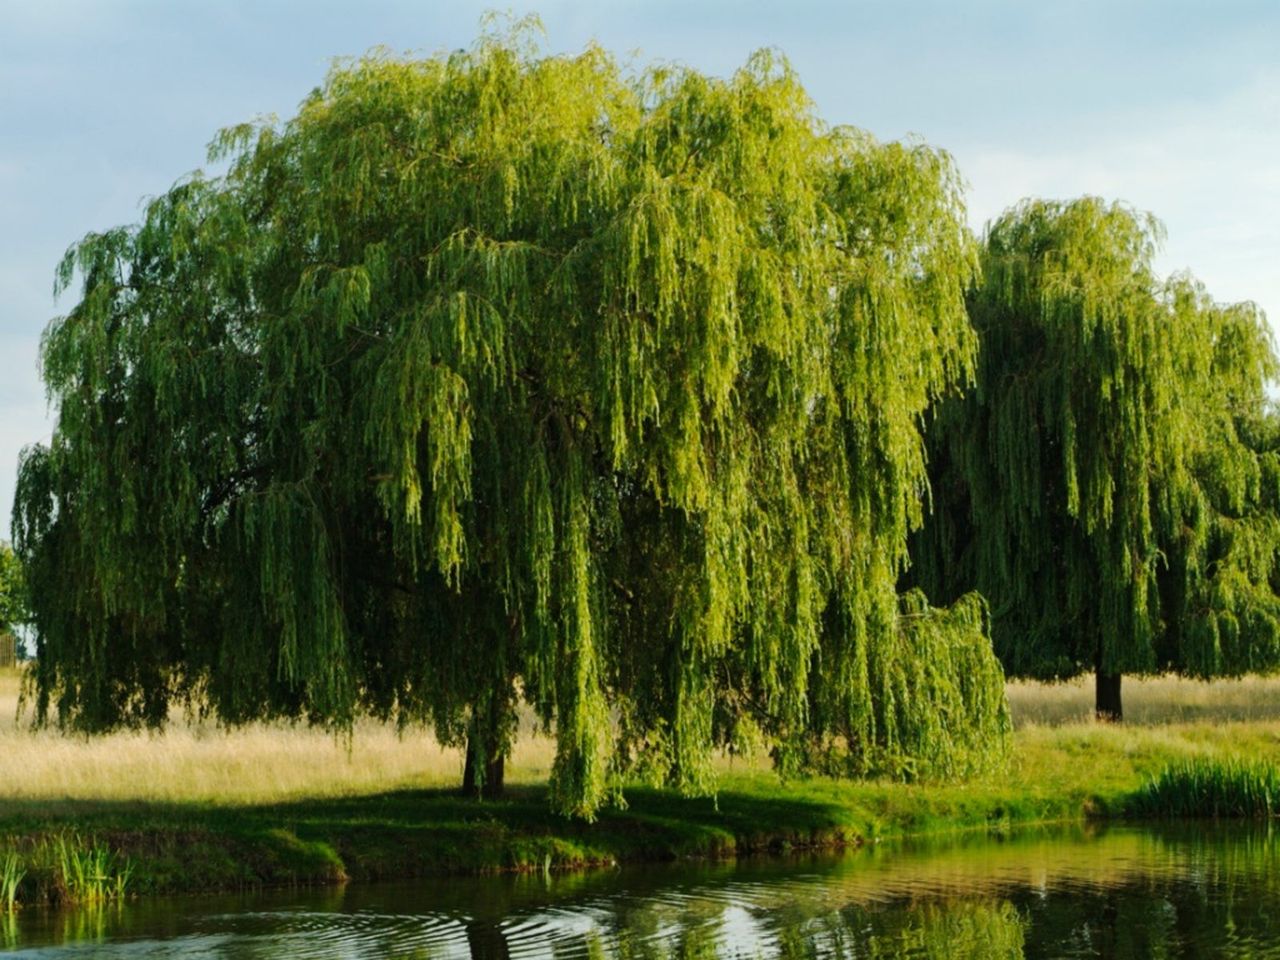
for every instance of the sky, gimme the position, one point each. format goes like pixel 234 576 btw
pixel 1171 106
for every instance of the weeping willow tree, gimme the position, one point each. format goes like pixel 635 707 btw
pixel 496 376
pixel 1220 586
pixel 1109 484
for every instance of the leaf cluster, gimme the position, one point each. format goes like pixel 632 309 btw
pixel 13 598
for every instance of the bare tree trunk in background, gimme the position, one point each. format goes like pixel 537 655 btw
pixel 1107 700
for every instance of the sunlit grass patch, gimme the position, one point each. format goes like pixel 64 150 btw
pixel 287 804
pixel 258 763
pixel 1147 700
pixel 1056 768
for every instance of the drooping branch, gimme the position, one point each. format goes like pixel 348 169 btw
pixel 498 372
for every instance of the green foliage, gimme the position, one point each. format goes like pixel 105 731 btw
pixel 494 375
pixel 1110 483
pixel 1221 588
pixel 1232 787
pixel 13 600
pixel 936 699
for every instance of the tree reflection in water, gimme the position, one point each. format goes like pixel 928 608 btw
pixel 1125 894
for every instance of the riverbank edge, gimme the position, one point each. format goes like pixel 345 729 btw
pixel 184 848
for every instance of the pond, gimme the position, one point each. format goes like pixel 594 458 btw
pixel 1198 891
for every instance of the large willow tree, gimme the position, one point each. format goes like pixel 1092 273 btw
pixel 1110 483
pixel 493 376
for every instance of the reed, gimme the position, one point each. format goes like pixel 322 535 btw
pixel 1210 787
pixel 11 875
pixel 90 874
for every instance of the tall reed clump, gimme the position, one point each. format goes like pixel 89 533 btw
pixel 11 874
pixel 1231 787
pixel 90 874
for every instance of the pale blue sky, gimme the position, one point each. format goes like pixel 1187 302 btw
pixel 1171 106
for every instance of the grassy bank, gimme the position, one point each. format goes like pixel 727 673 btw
pixel 199 808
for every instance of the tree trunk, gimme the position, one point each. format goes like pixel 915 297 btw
pixel 491 727
pixel 1107 699
pixel 494 775
pixel 469 770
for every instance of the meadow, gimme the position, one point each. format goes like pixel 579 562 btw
pixel 1149 701
pixel 200 762
pixel 201 807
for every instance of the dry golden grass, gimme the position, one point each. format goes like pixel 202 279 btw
pixel 258 763
pixel 192 762
pixel 1149 701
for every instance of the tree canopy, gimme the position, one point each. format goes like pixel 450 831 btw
pixel 1109 484
pixel 494 375
pixel 1220 581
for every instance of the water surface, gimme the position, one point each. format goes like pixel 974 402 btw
pixel 1199 892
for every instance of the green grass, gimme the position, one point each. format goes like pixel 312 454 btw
pixel 202 809
pixel 1216 787
pixel 1057 774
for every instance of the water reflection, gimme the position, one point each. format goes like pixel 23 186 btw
pixel 1120 894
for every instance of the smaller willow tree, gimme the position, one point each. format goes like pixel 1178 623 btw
pixel 494 375
pixel 1220 582
pixel 1109 484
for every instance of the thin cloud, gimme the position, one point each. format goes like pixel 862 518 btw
pixel 1206 169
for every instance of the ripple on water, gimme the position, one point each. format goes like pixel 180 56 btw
pixel 1126 895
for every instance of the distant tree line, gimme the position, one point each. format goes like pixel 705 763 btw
pixel 495 377
pixel 13 605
